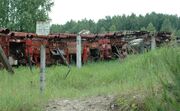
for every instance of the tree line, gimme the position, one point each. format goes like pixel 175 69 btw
pixel 21 15
pixel 149 22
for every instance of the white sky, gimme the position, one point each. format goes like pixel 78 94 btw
pixel 65 10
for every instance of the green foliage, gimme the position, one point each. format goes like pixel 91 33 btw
pixel 74 27
pixel 166 26
pixel 169 99
pixel 102 30
pixel 20 92
pixel 130 22
pixel 21 15
pixel 151 28
pixel 112 28
pixel 56 28
pixel 3 12
pixel 143 29
pixel 177 33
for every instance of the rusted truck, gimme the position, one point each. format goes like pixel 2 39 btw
pixel 23 48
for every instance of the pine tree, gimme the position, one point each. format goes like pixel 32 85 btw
pixel 166 26
pixel 112 28
pixel 151 28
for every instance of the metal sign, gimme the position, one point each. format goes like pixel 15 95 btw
pixel 43 27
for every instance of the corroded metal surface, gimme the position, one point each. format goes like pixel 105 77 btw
pixel 22 46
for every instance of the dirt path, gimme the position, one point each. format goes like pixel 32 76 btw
pixel 128 102
pixel 99 103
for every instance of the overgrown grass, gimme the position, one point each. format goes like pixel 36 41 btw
pixel 169 99
pixel 20 92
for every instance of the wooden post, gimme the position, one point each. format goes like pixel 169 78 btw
pixel 5 61
pixel 78 52
pixel 153 42
pixel 42 68
pixel 142 47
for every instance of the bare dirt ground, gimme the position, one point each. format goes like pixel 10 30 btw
pixel 98 103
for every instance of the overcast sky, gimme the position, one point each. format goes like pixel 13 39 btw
pixel 65 10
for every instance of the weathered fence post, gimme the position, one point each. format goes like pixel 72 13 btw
pixel 42 28
pixel 153 42
pixel 142 47
pixel 5 61
pixel 78 51
pixel 42 67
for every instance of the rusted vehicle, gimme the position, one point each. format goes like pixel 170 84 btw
pixel 23 48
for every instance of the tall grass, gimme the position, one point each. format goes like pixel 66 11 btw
pixel 137 73
pixel 169 100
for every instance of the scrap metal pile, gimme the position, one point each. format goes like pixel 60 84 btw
pixel 23 48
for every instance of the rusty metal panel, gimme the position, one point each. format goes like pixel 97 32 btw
pixel 71 47
pixel 89 36
pixel 4 41
pixel 18 34
pixel 104 41
pixel 66 42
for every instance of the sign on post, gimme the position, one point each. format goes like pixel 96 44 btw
pixel 43 27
